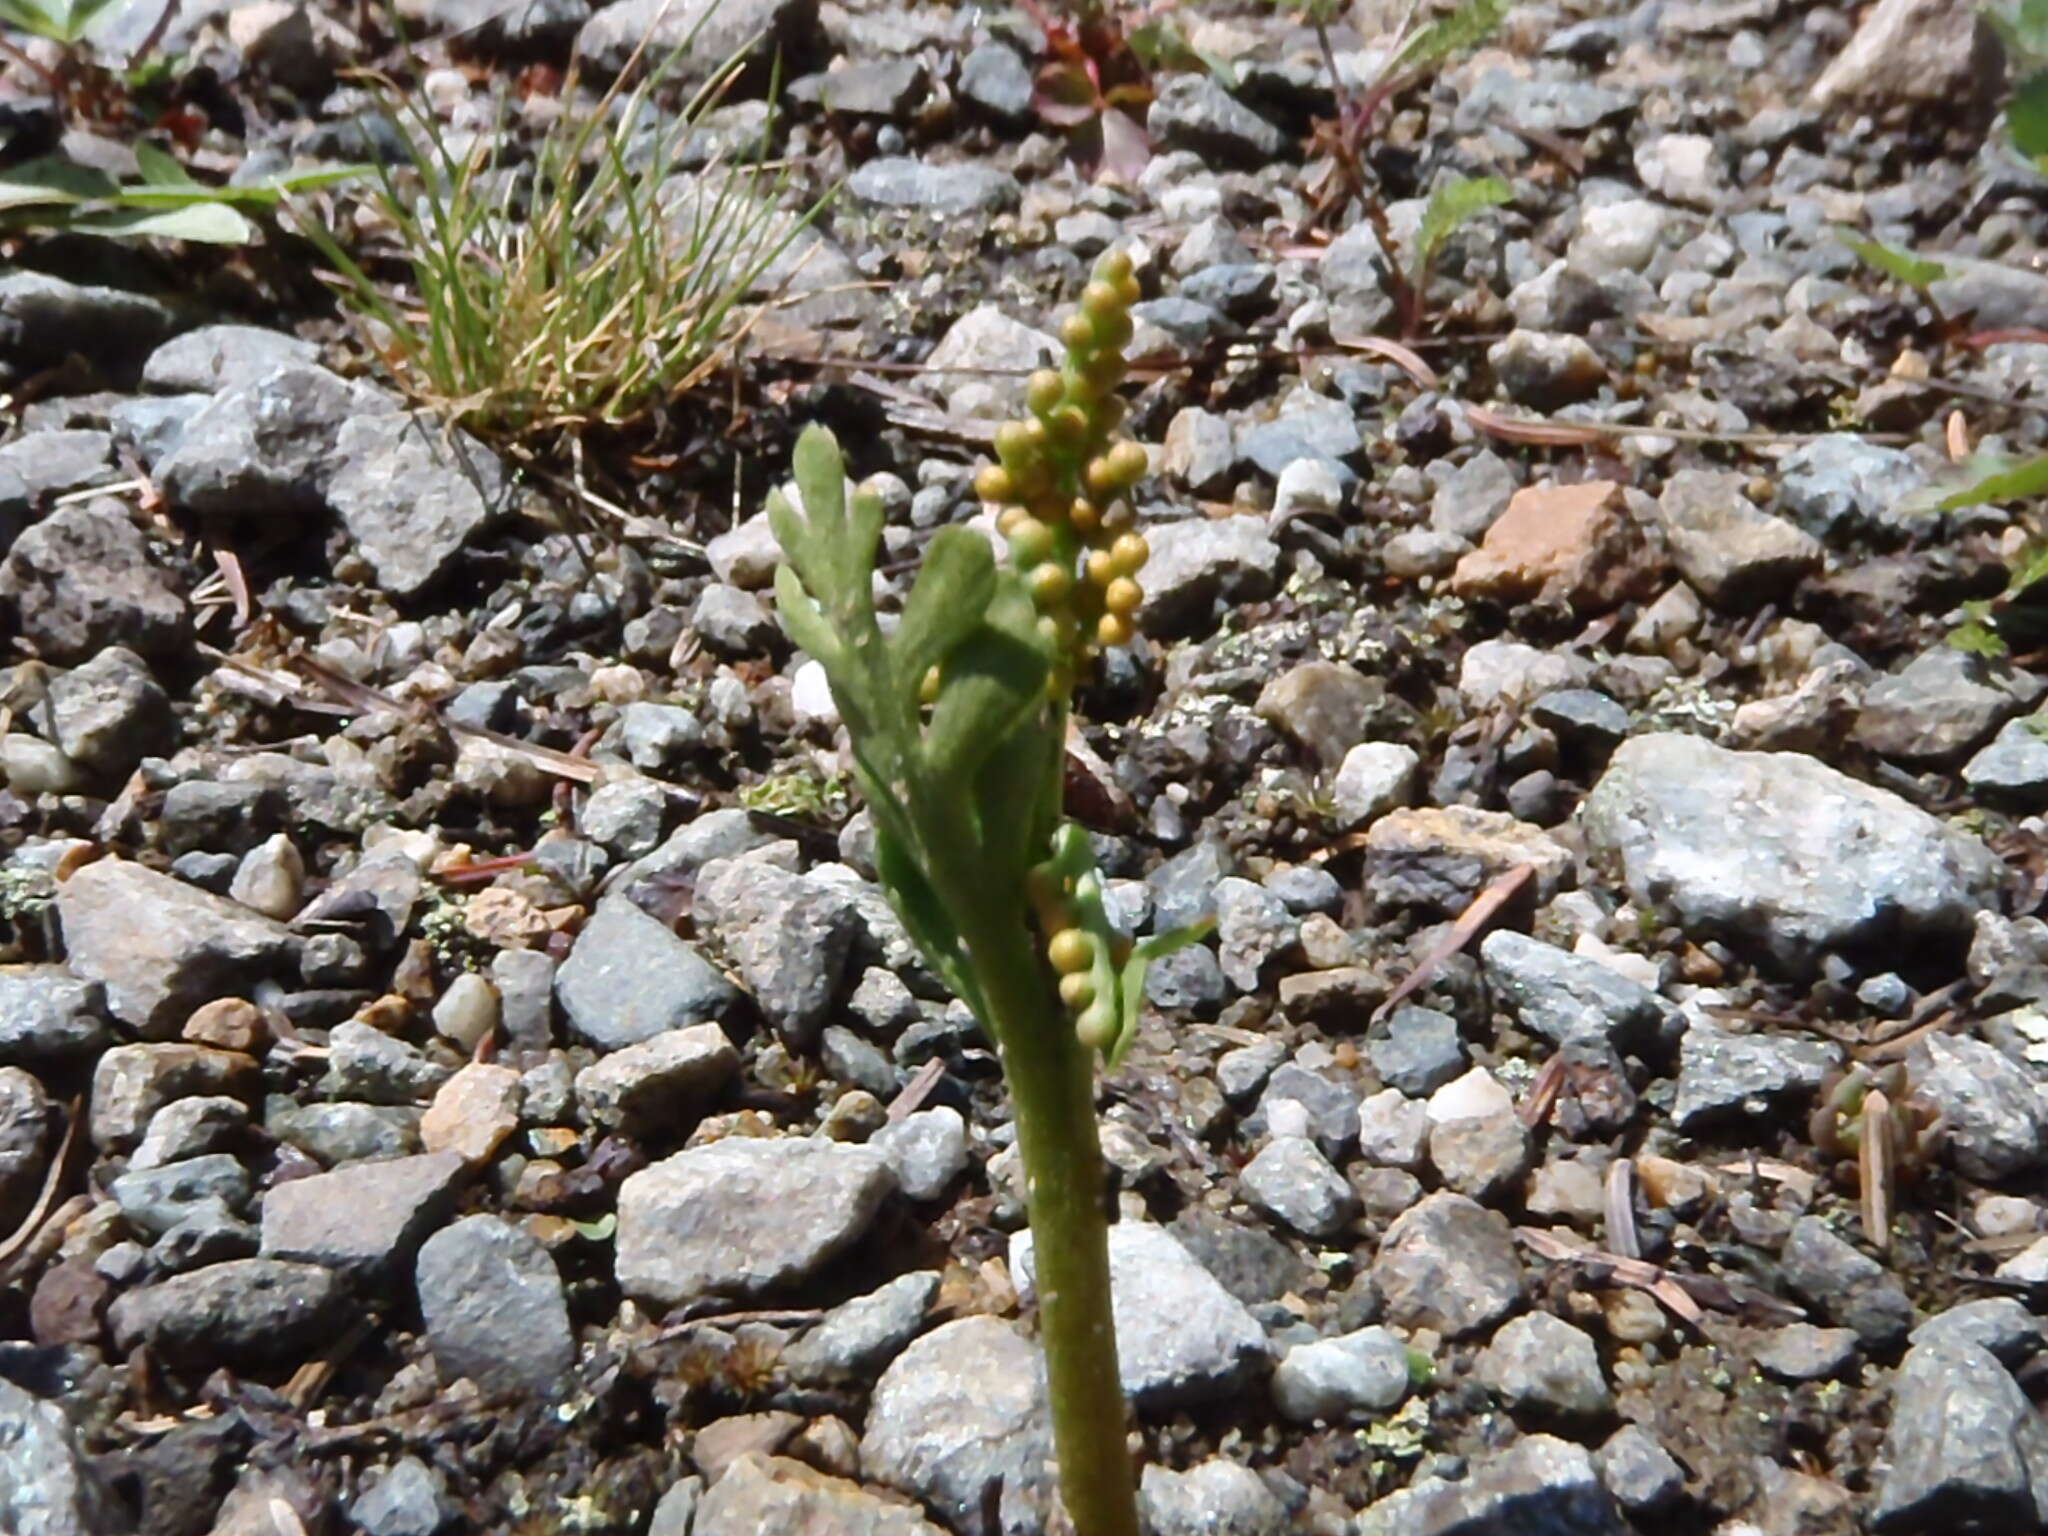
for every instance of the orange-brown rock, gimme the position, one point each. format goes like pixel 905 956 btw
pixel 1570 544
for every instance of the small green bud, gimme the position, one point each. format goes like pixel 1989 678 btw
pixel 1096 1026
pixel 1031 543
pixel 1045 391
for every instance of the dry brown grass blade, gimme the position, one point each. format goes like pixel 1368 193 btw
pixel 1485 906
pixel 1539 434
pixel 1622 1237
pixel 1543 1091
pixel 1407 359
pixel 1637 1273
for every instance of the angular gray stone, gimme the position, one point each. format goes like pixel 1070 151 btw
pixel 217 357
pixel 1565 997
pixel 750 30
pixel 83 579
pixel 1841 484
pixel 1417 1051
pixel 1724 1076
pixel 1449 1264
pixel 47 1486
pixel 153 1200
pixel 241 1312
pixel 1940 705
pixel 131 1083
pixel 788 935
pixel 1198 561
pixel 1211 1498
pixel 971 372
pixel 958 1413
pixel 1294 1183
pixel 629 978
pixel 160 947
pixel 109 714
pixel 492 1302
pixel 407 1499
pixel 905 184
pixel 1965 1449
pixel 1730 551
pixel 1194 111
pixel 412 494
pixel 1181 1337
pixel 365 1063
pixel 1253 929
pixel 264 448
pixel 859 1337
pixel 44 319
pixel 927 1150
pixel 363 1219
pixel 1543 1367
pixel 47 1014
pixel 1996 1112
pixel 1638 1471
pixel 1539 1486
pixel 994 78
pixel 2012 768
pixel 1802 1352
pixel 1846 1284
pixel 1363 1374
pixel 332 1134
pixel 2000 1324
pixel 741 1217
pixel 774 1496
pixel 658 1081
pixel 1781 854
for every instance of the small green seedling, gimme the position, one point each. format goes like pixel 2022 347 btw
pixel 957 720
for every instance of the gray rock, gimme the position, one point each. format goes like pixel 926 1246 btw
pixel 753 31
pixel 517 28
pixel 1184 887
pixel 149 426
pixel 1483 1156
pixel 1194 111
pixel 1638 1471
pixel 265 448
pixel 161 948
pixel 1548 102
pixel 2013 768
pixel 28 1124
pixel 205 815
pixel 1308 427
pixel 1211 1498
pixel 525 979
pixel 788 936
pixel 1965 1449
pixel 82 579
pixel 190 1128
pixel 41 466
pixel 1843 485
pixel 1802 1352
pixel 492 1303
pixel 1468 499
pixel 1731 552
pixel 245 1311
pixel 774 1496
pixel 626 816
pixel 1292 1182
pixel 959 1413
pixel 629 979
pixel 741 1217
pixel 1196 562
pixel 1545 369
pixel 153 1200
pixel 1331 1107
pixel 1780 853
pixel 44 319
pixel 676 1510
pixel 131 1083
pixel 1846 1285
pixel 858 1338
pixel 1326 707
pixel 1199 449
pixel 733 622
pixel 1995 294
pixel 884 88
pixel 996 80
pixel 659 737
pixel 1393 1129
pixel 905 184
pixel 345 1133
pixel 1375 777
pixel 47 1014
pixel 207 1232
pixel 412 495
pixel 364 1219
pixel 365 1063
pixel 1941 705
pixel 1243 1072
pixel 1565 997
pixel 1181 1337
pixel 1418 1051
pixel 1253 929
pixel 2000 1324
pixel 217 357
pixel 1241 290
pixel 1539 1486
pixel 1365 1374
pixel 1448 1264
pixel 1913 52
pixel 973 369
pixel 927 1150
pixel 1582 717
pixel 109 714
pixel 1543 1367
pixel 407 1500
pixel 1441 858
pixel 1724 1076
pixel 657 1082
pixel 47 1486
pixel 1996 1112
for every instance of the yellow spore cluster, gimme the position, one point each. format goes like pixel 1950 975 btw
pixel 1062 476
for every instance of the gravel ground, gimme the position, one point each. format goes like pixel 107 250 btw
pixel 458 1072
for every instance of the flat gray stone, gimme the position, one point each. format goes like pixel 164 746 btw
pixel 774 1496
pixel 47 1014
pixel 1777 853
pixel 1965 1450
pixel 1723 1076
pixel 492 1302
pixel 47 1486
pixel 217 357
pixel 629 979
pixel 1544 1368
pixel 658 1081
pixel 1539 1486
pixel 1449 1264
pixel 1360 1374
pixel 859 1337
pixel 364 1218
pixel 1211 1498
pixel 742 1217
pixel 412 495
pixel 1565 997
pixel 1995 1111
pixel 1181 1337
pixel 242 1312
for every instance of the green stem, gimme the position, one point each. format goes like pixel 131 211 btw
pixel 1052 1092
